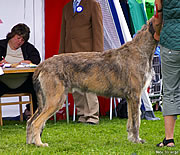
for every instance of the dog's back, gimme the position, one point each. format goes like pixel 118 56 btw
pixel 103 72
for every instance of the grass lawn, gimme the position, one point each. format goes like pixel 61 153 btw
pixel 109 137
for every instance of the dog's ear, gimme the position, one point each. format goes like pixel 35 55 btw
pixel 148 24
pixel 151 20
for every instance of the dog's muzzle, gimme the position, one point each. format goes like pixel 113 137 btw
pixel 151 29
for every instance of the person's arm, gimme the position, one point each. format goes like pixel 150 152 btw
pixel 31 54
pixel 158 19
pixel 25 61
pixel 97 27
pixel 3 48
pixel 63 34
pixel 34 57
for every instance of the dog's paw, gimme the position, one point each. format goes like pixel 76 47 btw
pixel 142 141
pixel 136 140
pixel 42 145
pixel 28 142
pixel 139 140
pixel 29 139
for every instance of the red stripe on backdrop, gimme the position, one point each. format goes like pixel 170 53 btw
pixel 53 18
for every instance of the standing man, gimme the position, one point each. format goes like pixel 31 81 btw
pixel 82 31
pixel 170 63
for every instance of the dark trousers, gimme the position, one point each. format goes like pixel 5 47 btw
pixel 26 87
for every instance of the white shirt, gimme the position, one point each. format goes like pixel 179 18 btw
pixel 78 2
pixel 14 56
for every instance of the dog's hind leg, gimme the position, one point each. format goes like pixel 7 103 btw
pixel 53 102
pixel 46 113
pixel 29 137
pixel 51 96
pixel 29 131
pixel 133 124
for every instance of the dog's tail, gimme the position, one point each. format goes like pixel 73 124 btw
pixel 37 72
pixel 37 86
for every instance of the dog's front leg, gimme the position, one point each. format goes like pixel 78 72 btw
pixel 134 120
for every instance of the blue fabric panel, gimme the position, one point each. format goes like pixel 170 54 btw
pixel 125 9
pixel 142 106
pixel 116 21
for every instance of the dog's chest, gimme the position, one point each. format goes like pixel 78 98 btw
pixel 148 77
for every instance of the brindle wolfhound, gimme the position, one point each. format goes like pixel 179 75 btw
pixel 121 72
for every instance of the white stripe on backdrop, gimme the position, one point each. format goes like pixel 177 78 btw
pixel 30 12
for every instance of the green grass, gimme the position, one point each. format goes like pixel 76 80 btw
pixel 109 137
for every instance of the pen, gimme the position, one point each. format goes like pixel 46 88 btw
pixel 4 61
pixel 2 64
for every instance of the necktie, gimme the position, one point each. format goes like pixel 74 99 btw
pixel 75 5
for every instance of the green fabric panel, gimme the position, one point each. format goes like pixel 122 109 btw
pixel 137 14
pixel 139 1
pixel 151 2
pixel 149 8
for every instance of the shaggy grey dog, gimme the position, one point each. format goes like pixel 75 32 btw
pixel 121 72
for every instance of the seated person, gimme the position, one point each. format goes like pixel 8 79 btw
pixel 16 49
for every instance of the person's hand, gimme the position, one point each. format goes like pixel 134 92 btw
pixel 157 25
pixel 26 61
pixel 3 61
pixel 156 36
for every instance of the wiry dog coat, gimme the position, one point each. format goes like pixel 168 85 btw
pixel 121 72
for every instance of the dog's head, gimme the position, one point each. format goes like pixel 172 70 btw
pixel 148 27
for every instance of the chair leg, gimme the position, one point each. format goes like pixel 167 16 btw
pixel 115 107
pixel 67 109
pixel 74 113
pixel 31 104
pixel 1 121
pixel 111 108
pixel 55 118
pixel 20 109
